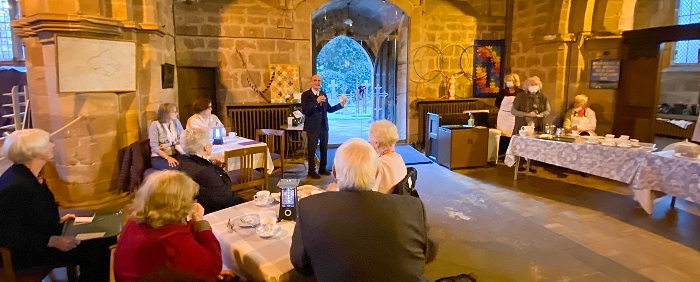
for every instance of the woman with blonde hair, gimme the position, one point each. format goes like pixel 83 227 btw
pixel 158 234
pixel 504 101
pixel 581 118
pixel 30 225
pixel 383 136
pixel 164 135
pixel 530 105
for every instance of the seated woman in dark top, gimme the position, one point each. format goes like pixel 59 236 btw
pixel 215 185
pixel 29 223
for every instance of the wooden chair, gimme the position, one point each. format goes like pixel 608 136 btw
pixel 275 140
pixel 8 274
pixel 246 179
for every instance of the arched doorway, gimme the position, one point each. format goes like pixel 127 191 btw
pixel 346 69
pixel 380 30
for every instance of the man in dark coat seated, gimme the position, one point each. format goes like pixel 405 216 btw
pixel 357 234
pixel 214 183
pixel 314 105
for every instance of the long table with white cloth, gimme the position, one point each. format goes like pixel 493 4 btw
pixel 642 171
pixel 240 143
pixel 250 256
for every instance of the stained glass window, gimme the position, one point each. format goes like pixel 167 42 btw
pixel 5 32
pixel 686 51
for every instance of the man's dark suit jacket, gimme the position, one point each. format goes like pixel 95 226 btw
pixel 361 236
pixel 316 114
pixel 214 183
pixel 28 218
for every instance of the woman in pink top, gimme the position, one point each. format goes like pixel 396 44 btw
pixel 383 136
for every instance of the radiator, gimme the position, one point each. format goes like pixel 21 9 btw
pixel 441 107
pixel 671 130
pixel 245 119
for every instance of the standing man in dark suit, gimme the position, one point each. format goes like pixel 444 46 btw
pixel 357 234
pixel 314 104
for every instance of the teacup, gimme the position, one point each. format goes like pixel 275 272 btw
pixel 232 134
pixel 528 128
pixel 609 136
pixel 522 133
pixel 624 137
pixel 268 224
pixel 634 142
pixel 262 198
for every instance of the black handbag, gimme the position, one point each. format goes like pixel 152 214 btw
pixel 407 186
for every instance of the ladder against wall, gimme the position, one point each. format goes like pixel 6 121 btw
pixel 18 114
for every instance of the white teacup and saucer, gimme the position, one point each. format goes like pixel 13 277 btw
pixel 268 225
pixel 262 198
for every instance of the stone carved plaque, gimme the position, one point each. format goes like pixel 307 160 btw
pixel 95 65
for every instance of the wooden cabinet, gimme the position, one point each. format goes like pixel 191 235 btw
pixel 462 147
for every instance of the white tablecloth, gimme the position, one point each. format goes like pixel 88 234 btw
pixel 248 255
pixel 679 177
pixel 235 143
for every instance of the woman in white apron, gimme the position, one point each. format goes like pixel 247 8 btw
pixel 581 118
pixel 203 118
pixel 504 101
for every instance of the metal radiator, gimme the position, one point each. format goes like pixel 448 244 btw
pixel 441 107
pixel 244 120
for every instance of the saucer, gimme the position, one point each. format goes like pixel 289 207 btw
pixel 609 145
pixel 270 200
pixel 625 145
pixel 276 229
pixel 248 220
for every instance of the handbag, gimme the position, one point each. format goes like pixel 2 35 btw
pixel 407 186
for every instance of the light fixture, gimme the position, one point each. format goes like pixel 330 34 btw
pixel 348 21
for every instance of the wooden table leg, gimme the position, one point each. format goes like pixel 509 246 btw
pixel 673 202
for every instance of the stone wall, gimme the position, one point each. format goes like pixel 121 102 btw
pixel 87 152
pixel 210 34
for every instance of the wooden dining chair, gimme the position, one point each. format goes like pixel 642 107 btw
pixel 246 179
pixel 275 140
pixel 35 274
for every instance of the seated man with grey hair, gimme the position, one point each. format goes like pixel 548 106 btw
pixel 215 185
pixel 357 234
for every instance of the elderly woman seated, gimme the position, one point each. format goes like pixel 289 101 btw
pixel 581 118
pixel 159 236
pixel 30 226
pixel 383 136
pixel 214 183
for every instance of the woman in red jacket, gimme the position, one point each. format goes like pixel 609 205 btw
pixel 159 238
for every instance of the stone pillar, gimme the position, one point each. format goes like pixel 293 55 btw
pixel 86 166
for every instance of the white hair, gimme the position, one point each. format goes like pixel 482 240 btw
pixel 581 100
pixel 535 80
pixel 356 165
pixel 384 133
pixel 24 145
pixel 193 140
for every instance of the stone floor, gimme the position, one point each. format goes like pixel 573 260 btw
pixel 547 228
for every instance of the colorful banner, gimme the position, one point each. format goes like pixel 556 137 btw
pixel 488 68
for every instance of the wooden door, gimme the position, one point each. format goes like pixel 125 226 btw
pixel 194 83
pixel 384 88
pixel 635 106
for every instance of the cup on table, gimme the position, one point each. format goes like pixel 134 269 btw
pixel 528 129
pixel 624 137
pixel 261 198
pixel 268 223
pixel 232 134
pixel 634 142
pixel 609 136
pixel 574 133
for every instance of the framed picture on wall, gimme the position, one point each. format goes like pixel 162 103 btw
pixel 167 75
pixel 488 67
pixel 605 74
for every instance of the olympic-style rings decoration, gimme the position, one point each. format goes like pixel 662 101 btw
pixel 251 84
pixel 430 75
